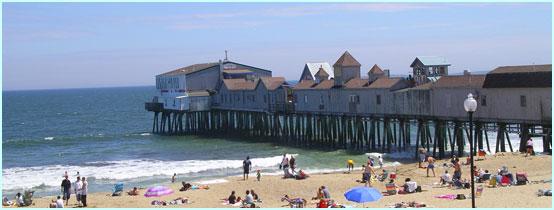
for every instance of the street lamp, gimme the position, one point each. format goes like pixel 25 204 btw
pixel 470 105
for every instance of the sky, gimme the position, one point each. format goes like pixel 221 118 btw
pixel 81 45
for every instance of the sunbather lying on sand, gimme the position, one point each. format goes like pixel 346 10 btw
pixel 133 192
pixel 295 202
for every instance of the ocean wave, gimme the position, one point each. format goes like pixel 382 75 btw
pixel 50 138
pixel 32 177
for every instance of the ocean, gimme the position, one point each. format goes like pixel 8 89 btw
pixel 104 134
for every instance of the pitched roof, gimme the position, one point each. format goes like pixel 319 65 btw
pixel 314 68
pixel 431 61
pixel 356 83
pixel 272 83
pixel 190 69
pixel 240 84
pixel 522 69
pixel 322 73
pixel 347 60
pixel 304 84
pixel 529 76
pixel 460 81
pixel 327 84
pixel 385 82
pixel 376 70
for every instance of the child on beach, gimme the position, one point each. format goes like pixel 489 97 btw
pixel 380 162
pixel 430 165
pixel 258 175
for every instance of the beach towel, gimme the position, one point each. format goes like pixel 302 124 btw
pixel 447 196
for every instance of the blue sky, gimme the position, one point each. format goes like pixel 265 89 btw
pixel 74 45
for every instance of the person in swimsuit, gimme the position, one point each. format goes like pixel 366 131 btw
pixel 246 166
pixel 430 165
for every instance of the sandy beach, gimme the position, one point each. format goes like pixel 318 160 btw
pixel 272 188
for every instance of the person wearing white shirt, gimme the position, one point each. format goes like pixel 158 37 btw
pixel 84 191
pixel 77 189
pixel 59 202
pixel 446 178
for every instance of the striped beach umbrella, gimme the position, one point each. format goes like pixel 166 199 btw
pixel 158 191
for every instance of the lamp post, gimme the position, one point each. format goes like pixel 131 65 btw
pixel 470 105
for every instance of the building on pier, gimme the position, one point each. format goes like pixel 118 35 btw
pixel 429 68
pixel 316 72
pixel 174 86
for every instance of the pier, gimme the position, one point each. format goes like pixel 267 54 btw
pixel 377 114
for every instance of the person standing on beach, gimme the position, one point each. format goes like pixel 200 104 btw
pixel 285 162
pixel 457 169
pixel 282 164
pixel 246 166
pixel 84 192
pixel 380 162
pixel 66 186
pixel 430 165
pixel 77 188
pixel 529 147
pixel 173 177
pixel 292 161
pixel 350 165
pixel 368 170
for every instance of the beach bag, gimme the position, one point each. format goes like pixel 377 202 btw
pixel 466 185
pixel 461 197
pixel 418 189
pixel 392 175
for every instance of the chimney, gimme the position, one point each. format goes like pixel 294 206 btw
pixel 387 72
pixel 467 72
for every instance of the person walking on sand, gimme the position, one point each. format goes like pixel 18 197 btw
pixel 84 192
pixel 380 162
pixel 421 157
pixel 77 189
pixel 173 177
pixel 246 166
pixel 529 147
pixel 430 165
pixel 66 187
pixel 457 169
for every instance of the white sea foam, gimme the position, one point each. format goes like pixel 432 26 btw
pixel 145 134
pixel 28 177
pixel 50 138
pixel 212 181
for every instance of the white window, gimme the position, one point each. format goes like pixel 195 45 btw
pixel 306 99
pixel 354 99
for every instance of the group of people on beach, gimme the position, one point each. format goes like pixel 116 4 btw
pixel 79 188
pixel 250 199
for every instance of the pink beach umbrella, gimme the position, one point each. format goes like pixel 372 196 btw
pixel 158 191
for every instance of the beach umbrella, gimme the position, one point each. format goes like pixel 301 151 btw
pixel 363 194
pixel 158 191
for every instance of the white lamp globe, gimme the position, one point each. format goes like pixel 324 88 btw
pixel 470 104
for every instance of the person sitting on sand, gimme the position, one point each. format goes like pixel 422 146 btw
pixel 408 187
pixel 446 179
pixel 301 175
pixel 254 195
pixel 484 176
pixel 232 198
pixel 326 193
pixel 319 194
pixel 391 187
pixel 6 201
pixel 186 186
pixel 19 199
pixel 249 199
pixel 133 192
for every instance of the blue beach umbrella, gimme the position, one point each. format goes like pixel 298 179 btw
pixel 363 194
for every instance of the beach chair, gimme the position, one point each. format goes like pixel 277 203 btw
pixel 492 182
pixel 521 178
pixel 391 188
pixel 117 189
